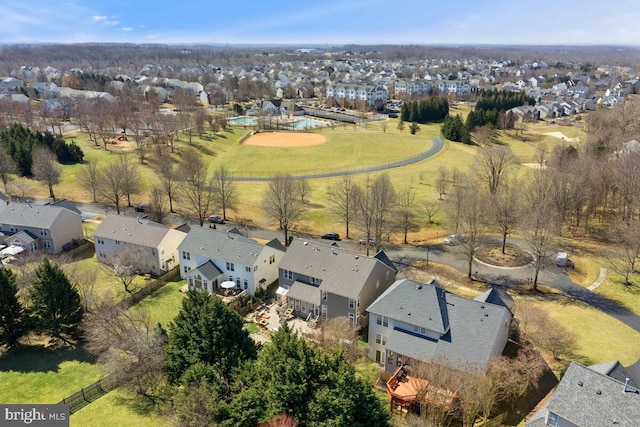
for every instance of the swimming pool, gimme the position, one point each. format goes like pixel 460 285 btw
pixel 242 121
pixel 306 123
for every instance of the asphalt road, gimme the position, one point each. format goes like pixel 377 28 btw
pixel 404 255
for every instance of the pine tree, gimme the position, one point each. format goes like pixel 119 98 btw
pixel 206 330
pixel 56 306
pixel 13 317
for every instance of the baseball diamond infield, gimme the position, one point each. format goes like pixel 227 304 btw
pixel 285 139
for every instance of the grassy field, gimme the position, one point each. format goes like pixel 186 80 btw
pixel 600 338
pixel 627 296
pixel 117 409
pixel 37 374
pixel 164 304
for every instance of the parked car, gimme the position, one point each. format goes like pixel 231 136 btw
pixel 216 219
pixel 453 239
pixel 330 236
pixel 142 208
pixel 372 241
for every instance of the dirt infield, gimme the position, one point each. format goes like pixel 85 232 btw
pixel 285 139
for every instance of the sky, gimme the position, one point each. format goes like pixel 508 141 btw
pixel 324 22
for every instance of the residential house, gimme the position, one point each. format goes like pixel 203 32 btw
pixel 209 257
pixel 413 321
pixel 325 280
pixel 360 96
pixel 33 227
pixel 154 246
pixel 593 396
pixel 266 107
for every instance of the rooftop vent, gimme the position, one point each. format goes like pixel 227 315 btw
pixel 306 243
pixel 580 383
pixel 418 286
pixel 356 257
pixel 598 392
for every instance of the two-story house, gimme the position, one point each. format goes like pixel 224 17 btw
pixel 413 321
pixel 209 257
pixel 154 246
pixel 325 280
pixel 35 227
pixel 593 396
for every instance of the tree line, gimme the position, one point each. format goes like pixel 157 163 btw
pixel 20 142
pixel 428 110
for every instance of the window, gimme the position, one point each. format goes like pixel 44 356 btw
pixel 552 419
pixel 255 268
pixel 230 266
pixel 238 281
pixel 287 274
pixel 247 269
pixel 315 281
pixel 100 241
pixel 117 242
pixel 186 255
pixel 323 294
pixel 185 268
pixel 272 259
pixel 246 284
pixel 382 320
pixel 47 244
pixel 323 311
pixel 378 339
pixel 153 251
pixel 352 319
pixel 352 303
pixel 231 278
pixel 43 232
pixel 384 340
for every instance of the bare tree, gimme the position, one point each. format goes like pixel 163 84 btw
pixel 536 221
pixel 336 334
pixel 484 135
pixel 624 260
pixel 85 281
pixel 112 187
pixel 303 188
pixel 542 151
pixel 473 222
pixel 20 188
pixel 442 181
pixel 131 177
pixel 343 201
pixel 127 264
pixel 196 187
pixel 537 328
pixel 407 211
pixel 157 204
pixel 8 167
pixel 128 345
pixel 90 177
pixel 282 203
pixel 169 179
pixel 384 199
pixel 492 164
pixel 46 168
pixel 225 191
pixel 506 210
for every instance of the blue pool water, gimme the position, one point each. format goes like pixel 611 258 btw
pixel 242 121
pixel 306 123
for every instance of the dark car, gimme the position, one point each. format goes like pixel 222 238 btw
pixel 330 236
pixel 142 208
pixel 216 219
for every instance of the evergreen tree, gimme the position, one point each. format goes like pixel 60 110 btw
pixel 206 330
pixel 56 306
pixel 13 317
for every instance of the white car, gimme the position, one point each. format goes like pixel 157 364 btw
pixel 453 239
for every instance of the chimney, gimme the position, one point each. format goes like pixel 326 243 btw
pixel 626 382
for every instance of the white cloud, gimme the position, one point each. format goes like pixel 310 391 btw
pixel 126 29
pixel 98 18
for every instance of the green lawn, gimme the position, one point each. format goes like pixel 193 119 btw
pixel 36 374
pixel 600 338
pixel 117 409
pixel 627 296
pixel 164 304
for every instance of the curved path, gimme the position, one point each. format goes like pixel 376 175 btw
pixel 438 143
pixel 550 275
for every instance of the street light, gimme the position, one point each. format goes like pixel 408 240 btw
pixel 427 247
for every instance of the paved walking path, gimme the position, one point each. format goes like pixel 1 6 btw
pixel 599 280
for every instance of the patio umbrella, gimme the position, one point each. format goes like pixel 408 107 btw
pixel 228 284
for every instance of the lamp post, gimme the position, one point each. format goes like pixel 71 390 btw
pixel 427 256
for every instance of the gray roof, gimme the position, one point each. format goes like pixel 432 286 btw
pixel 588 398
pixel 30 215
pixel 209 270
pixel 25 236
pixel 304 292
pixel 341 272
pixel 64 203
pixel 137 231
pixel 468 329
pixel 224 246
pixel 418 348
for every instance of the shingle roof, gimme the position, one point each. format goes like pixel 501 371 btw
pixel 222 246
pixel 209 270
pixel 137 231
pixel 591 399
pixel 468 329
pixel 29 215
pixel 304 292
pixel 341 272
